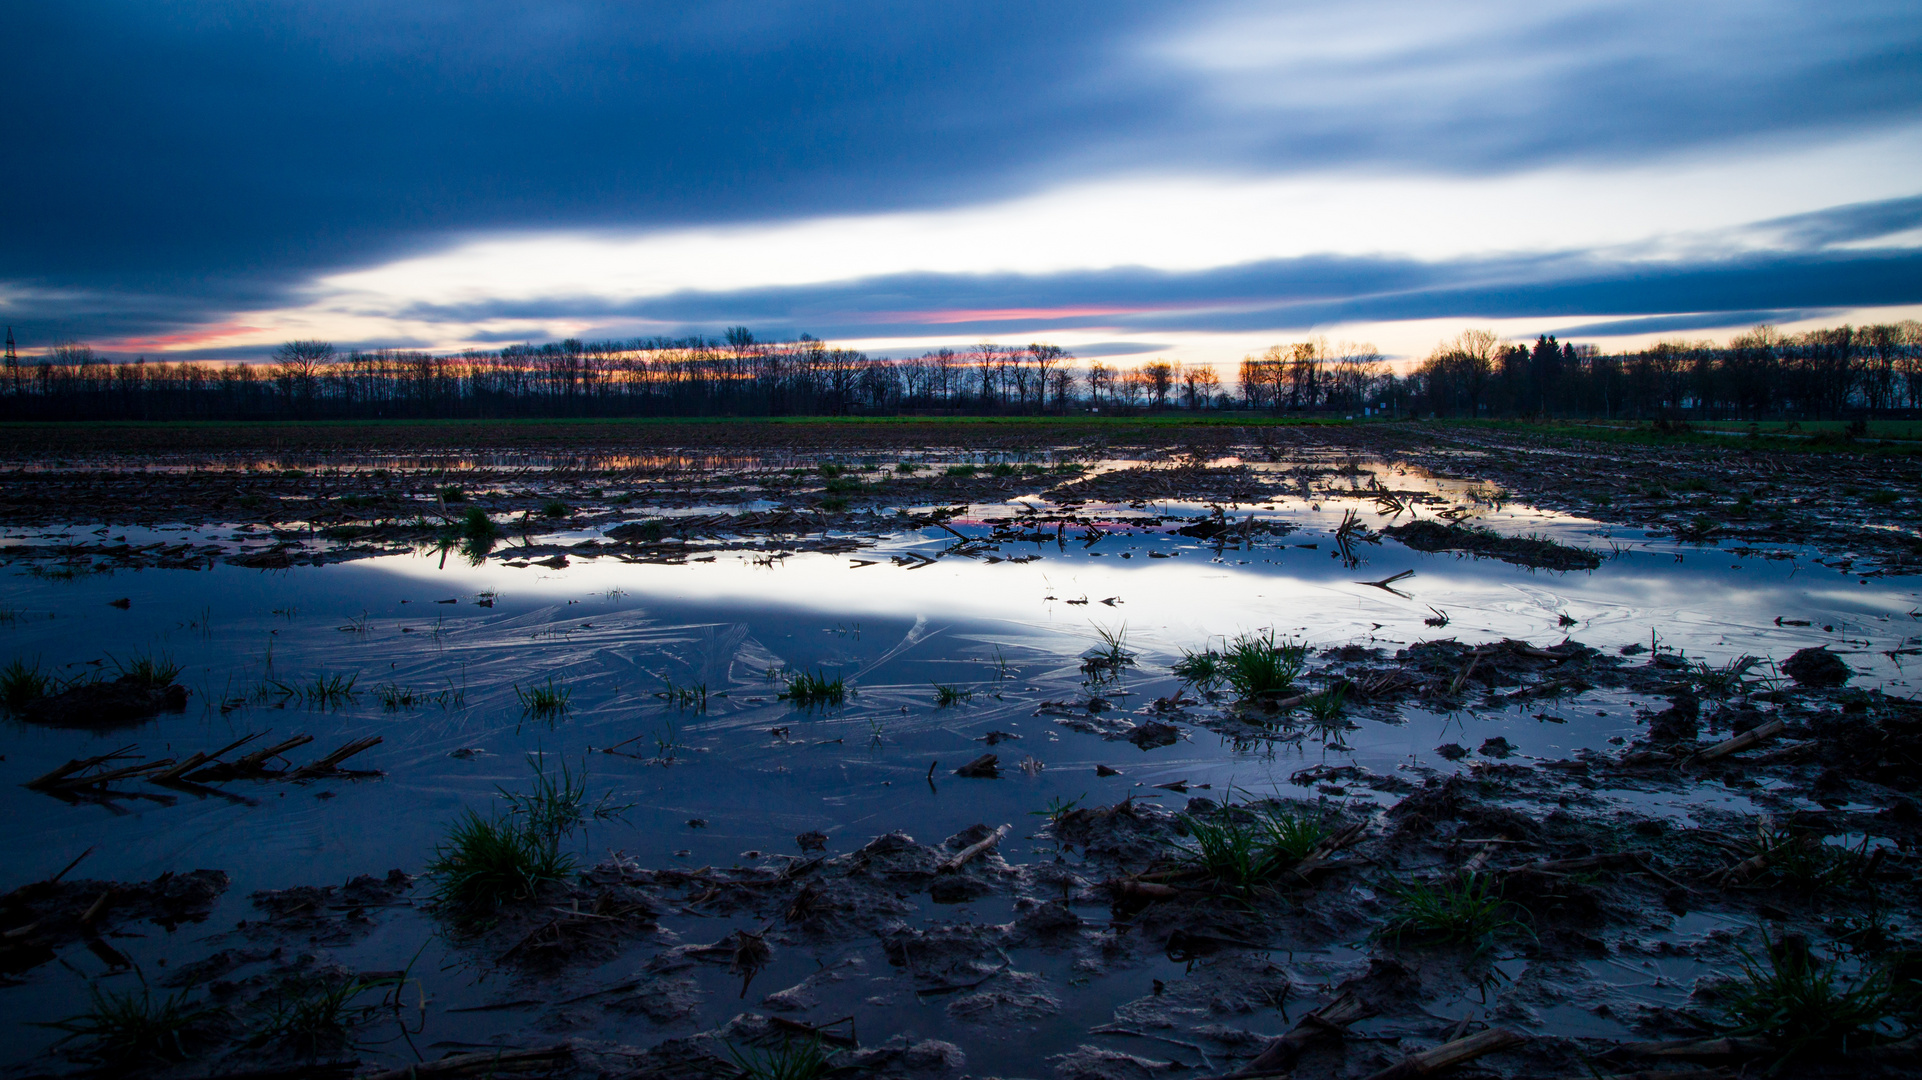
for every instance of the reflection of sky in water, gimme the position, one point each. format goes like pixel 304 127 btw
pixel 613 632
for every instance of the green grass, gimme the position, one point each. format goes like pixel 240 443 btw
pixel 452 494
pixel 1800 1004
pixel 545 701
pixel 949 696
pixel 1255 665
pixel 1246 847
pixel 1326 707
pixel 1724 680
pixel 1456 911
pixel 1107 659
pixel 1293 834
pixel 149 670
pixel 316 1023
pixel 124 1028
pixel 962 471
pixel 476 526
pixel 22 685
pixel 485 863
pixel 394 697
pixel 692 696
pixel 1798 859
pixel 557 805
pixel 1058 808
pixel 1004 469
pixel 814 688
pixel 794 1059
pixel 1203 669
pixel 554 508
pixel 329 691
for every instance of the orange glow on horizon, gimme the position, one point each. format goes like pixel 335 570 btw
pixel 184 340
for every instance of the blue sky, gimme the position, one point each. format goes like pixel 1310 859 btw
pixel 1186 179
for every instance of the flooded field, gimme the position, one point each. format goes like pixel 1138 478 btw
pixel 1055 765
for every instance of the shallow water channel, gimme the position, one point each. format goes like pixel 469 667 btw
pixel 734 782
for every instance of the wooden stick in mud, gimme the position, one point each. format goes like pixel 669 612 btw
pixel 110 775
pixel 1746 739
pixel 98 907
pixel 1326 1022
pixel 1692 1048
pixel 77 764
pixel 1318 858
pixel 55 880
pixel 1151 892
pixel 961 858
pixel 197 759
pixel 1450 1054
pixel 1659 1075
pixel 331 761
pixel 1473 659
pixel 252 762
pixel 1480 858
pixel 482 1063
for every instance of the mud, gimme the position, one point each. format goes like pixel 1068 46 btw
pixel 1641 825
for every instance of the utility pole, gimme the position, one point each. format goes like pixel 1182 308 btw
pixel 13 362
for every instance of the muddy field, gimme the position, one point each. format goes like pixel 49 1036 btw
pixel 942 750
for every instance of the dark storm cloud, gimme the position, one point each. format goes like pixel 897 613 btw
pixel 171 162
pixel 1847 224
pixel 1278 295
pixel 1670 324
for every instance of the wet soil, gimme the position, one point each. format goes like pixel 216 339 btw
pixel 1732 816
pixel 296 494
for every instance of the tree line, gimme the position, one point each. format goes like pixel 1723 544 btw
pixel 1761 373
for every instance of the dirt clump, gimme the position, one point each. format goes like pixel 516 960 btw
pixel 124 702
pixel 1816 667
pixel 44 916
pixel 1531 551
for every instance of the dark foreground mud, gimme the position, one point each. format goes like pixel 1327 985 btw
pixel 1479 922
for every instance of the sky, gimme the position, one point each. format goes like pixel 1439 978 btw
pixel 1128 178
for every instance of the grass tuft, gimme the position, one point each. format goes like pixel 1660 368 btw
pixel 548 701
pixel 558 803
pixel 1241 848
pixel 814 688
pixel 316 1023
pixel 325 692
pixel 554 508
pixel 1203 669
pixel 794 1059
pixel 692 696
pixel 1107 659
pixel 487 862
pixel 123 1028
pixel 1800 1004
pixel 1058 808
pixel 21 685
pixel 1256 665
pixel 394 697
pixel 1458 911
pixel 1325 708
pixel 150 670
pixel 949 696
